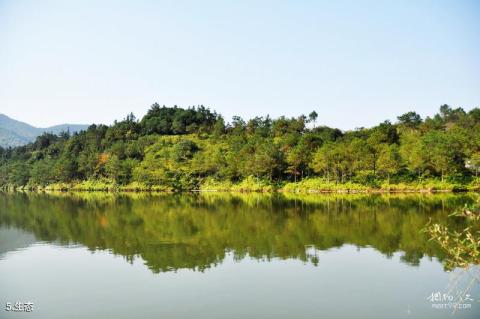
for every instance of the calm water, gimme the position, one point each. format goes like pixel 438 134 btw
pixel 227 256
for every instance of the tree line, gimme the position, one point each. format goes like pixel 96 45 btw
pixel 179 148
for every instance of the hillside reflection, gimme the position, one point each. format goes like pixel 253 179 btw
pixel 195 231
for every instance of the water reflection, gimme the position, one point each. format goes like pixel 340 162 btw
pixel 196 231
pixel 14 239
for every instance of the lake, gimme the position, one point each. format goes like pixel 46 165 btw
pixel 100 255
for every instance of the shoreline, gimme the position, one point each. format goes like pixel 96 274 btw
pixel 279 191
pixel 255 185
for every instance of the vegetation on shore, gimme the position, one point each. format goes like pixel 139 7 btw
pixel 252 184
pixel 175 149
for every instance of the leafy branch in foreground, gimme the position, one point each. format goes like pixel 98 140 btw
pixel 462 247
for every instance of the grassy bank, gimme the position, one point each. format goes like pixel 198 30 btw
pixel 92 185
pixel 319 185
pixel 252 184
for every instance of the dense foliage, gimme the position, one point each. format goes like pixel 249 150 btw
pixel 178 149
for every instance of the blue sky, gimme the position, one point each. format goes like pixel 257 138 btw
pixel 355 62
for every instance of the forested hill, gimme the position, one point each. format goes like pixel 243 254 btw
pixel 16 133
pixel 181 149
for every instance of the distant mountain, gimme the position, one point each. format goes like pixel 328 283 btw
pixel 16 133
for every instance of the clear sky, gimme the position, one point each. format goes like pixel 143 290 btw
pixel 355 62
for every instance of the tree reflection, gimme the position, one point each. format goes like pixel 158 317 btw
pixel 195 231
